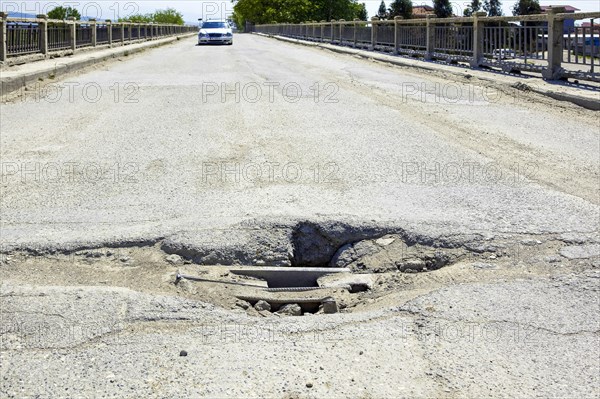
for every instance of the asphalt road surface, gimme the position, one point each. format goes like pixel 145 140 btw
pixel 158 153
pixel 270 153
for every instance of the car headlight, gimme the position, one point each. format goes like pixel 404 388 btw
pixel 228 34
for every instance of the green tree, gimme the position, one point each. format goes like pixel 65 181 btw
pixel 64 13
pixel 137 18
pixel 442 8
pixel 401 8
pixel 382 12
pixel 527 7
pixel 474 7
pixel 267 11
pixel 363 15
pixel 294 11
pixel 333 9
pixel 168 16
pixel 493 7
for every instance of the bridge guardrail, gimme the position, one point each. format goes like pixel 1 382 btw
pixel 27 36
pixel 541 43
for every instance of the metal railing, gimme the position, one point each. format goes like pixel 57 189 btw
pixel 581 45
pixel 102 33
pixel 453 42
pixel 22 38
pixel 26 36
pixel 542 43
pixel 83 35
pixel 58 36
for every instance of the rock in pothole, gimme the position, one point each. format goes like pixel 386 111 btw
pixel 291 309
pixel 262 305
pixel 174 259
pixel 350 281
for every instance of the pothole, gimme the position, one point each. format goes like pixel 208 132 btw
pixel 325 265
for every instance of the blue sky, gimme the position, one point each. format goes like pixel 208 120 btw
pixel 194 9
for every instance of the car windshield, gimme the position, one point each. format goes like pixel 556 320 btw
pixel 214 25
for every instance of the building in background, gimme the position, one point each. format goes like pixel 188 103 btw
pixel 422 11
pixel 569 23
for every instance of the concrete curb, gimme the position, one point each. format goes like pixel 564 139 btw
pixel 66 65
pixel 582 101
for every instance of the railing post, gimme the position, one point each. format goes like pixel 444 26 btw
pixel 122 33
pixel 342 31
pixel 139 28
pixel 130 30
pixel 396 33
pixel 43 27
pixel 322 29
pixel 109 32
pixel 354 36
pixel 478 27
pixel 93 26
pixel 332 33
pixel 73 30
pixel 373 33
pixel 555 44
pixel 430 46
pixel 4 36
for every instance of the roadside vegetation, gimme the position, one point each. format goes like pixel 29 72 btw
pixel 64 13
pixel 295 11
pixel 168 16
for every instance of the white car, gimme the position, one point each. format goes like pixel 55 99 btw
pixel 215 32
pixel 503 53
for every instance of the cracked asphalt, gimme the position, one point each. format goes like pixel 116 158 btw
pixel 185 139
pixel 270 153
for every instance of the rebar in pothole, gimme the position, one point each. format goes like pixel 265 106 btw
pixel 179 276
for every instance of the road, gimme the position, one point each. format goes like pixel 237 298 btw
pixel 169 161
pixel 269 153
